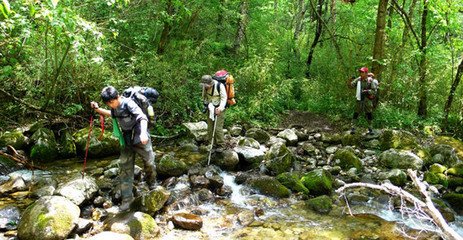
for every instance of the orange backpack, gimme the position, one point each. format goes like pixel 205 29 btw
pixel 223 77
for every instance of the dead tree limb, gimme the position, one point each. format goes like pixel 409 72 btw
pixel 426 207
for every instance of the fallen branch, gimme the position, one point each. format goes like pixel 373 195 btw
pixel 422 209
pixel 18 158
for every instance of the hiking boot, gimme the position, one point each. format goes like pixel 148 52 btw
pixel 125 204
pixel 218 149
pixel 370 131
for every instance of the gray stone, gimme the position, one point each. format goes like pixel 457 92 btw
pixel 79 190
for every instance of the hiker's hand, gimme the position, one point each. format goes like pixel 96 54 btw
pixel 144 137
pixel 94 105
pixel 217 111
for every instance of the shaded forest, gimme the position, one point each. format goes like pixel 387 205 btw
pixel 285 55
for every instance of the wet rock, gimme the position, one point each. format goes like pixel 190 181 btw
pixel 107 146
pixel 45 186
pixel 110 235
pixel 45 147
pixel 7 165
pixel 279 159
pixel 205 195
pixel 41 221
pixel 15 138
pixel 293 182
pixel 199 181
pixel 347 159
pixel 289 135
pixel 14 184
pixel 82 226
pixel 224 191
pixel 319 182
pixel 249 155
pixel 269 186
pixel 455 200
pixel 151 202
pixel 187 221
pixel 321 204
pixel 248 142
pixel 138 225
pixel 197 130
pixel 400 159
pixel 9 218
pixel 258 134
pixel 169 166
pixel 79 190
pixel 228 160
pixel 246 217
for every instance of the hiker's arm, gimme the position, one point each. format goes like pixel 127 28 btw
pixel 99 110
pixel 144 131
pixel 223 98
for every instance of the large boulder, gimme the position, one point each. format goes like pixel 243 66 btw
pixel 279 159
pixel 49 218
pixel 397 139
pixel 293 182
pixel 400 159
pixel 107 146
pixel 79 190
pixel 152 201
pixel 15 138
pixel 456 170
pixel 169 166
pixel 139 225
pixel 321 204
pixel 319 182
pixel 44 146
pixel 455 143
pixel 347 159
pixel 197 130
pixel 443 154
pixel 249 155
pixel 248 142
pixel 269 186
pixel 258 134
pixel 227 160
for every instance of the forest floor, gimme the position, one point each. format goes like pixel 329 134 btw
pixel 302 119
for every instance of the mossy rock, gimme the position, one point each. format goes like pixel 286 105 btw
pixel 67 147
pixel 397 139
pixel 321 204
pixel 400 159
pixel 152 201
pixel 397 177
pixel 448 155
pixel 45 147
pixel 293 182
pixel 454 182
pixel 258 134
pixel 279 159
pixel 456 170
pixel 169 166
pixel 107 146
pixel 437 168
pixel 335 138
pixel 455 143
pixel 446 211
pixel 455 200
pixel 49 218
pixel 348 159
pixel 139 225
pixel 319 182
pixel 436 178
pixel 351 139
pixel 15 138
pixel 269 186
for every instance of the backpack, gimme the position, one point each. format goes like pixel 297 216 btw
pixel 144 97
pixel 225 78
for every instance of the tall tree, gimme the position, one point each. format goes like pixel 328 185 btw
pixel 453 88
pixel 318 34
pixel 166 28
pixel 378 49
pixel 242 23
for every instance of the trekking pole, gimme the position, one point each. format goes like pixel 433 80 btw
pixel 87 146
pixel 212 141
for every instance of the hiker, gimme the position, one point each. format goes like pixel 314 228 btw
pixel 214 99
pixel 135 139
pixel 365 92
pixel 376 82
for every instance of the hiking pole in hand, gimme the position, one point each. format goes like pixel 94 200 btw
pixel 87 145
pixel 212 141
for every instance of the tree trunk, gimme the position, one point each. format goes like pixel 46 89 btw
pixel 166 29
pixel 423 103
pixel 299 19
pixel 241 31
pixel 378 49
pixel 219 29
pixel 318 33
pixel 455 84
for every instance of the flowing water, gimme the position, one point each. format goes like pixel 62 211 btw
pixel 225 218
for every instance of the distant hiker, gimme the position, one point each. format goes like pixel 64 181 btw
pixel 135 138
pixel 214 98
pixel 375 82
pixel 365 92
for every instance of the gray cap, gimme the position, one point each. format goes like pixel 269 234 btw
pixel 206 80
